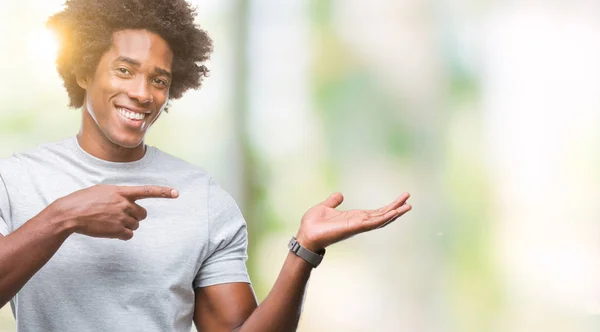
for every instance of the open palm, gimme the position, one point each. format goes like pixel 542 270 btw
pixel 323 225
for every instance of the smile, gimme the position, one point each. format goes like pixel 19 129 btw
pixel 130 115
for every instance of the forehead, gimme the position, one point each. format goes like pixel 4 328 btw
pixel 144 46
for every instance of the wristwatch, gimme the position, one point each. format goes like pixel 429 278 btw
pixel 312 258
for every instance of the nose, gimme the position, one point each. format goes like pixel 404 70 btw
pixel 140 91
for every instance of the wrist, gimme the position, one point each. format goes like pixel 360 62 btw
pixel 60 222
pixel 308 243
pixel 312 258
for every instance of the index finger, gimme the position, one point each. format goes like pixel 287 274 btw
pixel 140 192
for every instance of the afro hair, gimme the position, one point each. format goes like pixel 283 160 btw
pixel 85 30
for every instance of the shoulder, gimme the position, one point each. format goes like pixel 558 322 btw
pixel 40 152
pixel 34 160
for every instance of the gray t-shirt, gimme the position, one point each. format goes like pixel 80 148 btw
pixel 144 284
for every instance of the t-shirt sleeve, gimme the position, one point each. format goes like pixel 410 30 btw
pixel 227 241
pixel 4 208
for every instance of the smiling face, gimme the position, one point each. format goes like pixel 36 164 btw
pixel 127 92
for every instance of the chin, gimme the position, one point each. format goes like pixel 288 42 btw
pixel 127 141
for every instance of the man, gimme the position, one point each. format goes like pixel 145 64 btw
pixel 61 204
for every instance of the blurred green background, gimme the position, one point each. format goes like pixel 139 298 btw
pixel 487 112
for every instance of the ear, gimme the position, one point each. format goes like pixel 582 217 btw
pixel 82 81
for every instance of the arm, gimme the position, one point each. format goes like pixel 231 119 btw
pixel 26 250
pixel 99 211
pixel 232 307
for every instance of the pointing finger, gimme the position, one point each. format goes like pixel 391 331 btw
pixel 140 192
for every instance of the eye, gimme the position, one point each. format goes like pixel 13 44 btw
pixel 124 71
pixel 159 82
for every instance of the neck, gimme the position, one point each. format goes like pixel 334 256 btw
pixel 93 141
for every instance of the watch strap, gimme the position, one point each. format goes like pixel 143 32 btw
pixel 312 258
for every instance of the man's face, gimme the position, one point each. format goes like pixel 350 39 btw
pixel 130 86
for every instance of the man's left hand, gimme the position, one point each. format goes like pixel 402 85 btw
pixel 323 225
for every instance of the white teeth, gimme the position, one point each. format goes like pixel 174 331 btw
pixel 131 115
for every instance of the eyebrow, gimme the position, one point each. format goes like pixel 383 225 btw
pixel 135 63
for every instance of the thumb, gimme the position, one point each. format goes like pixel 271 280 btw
pixel 334 200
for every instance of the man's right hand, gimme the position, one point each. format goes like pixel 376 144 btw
pixel 108 211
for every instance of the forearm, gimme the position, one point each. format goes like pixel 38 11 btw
pixel 280 311
pixel 27 249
